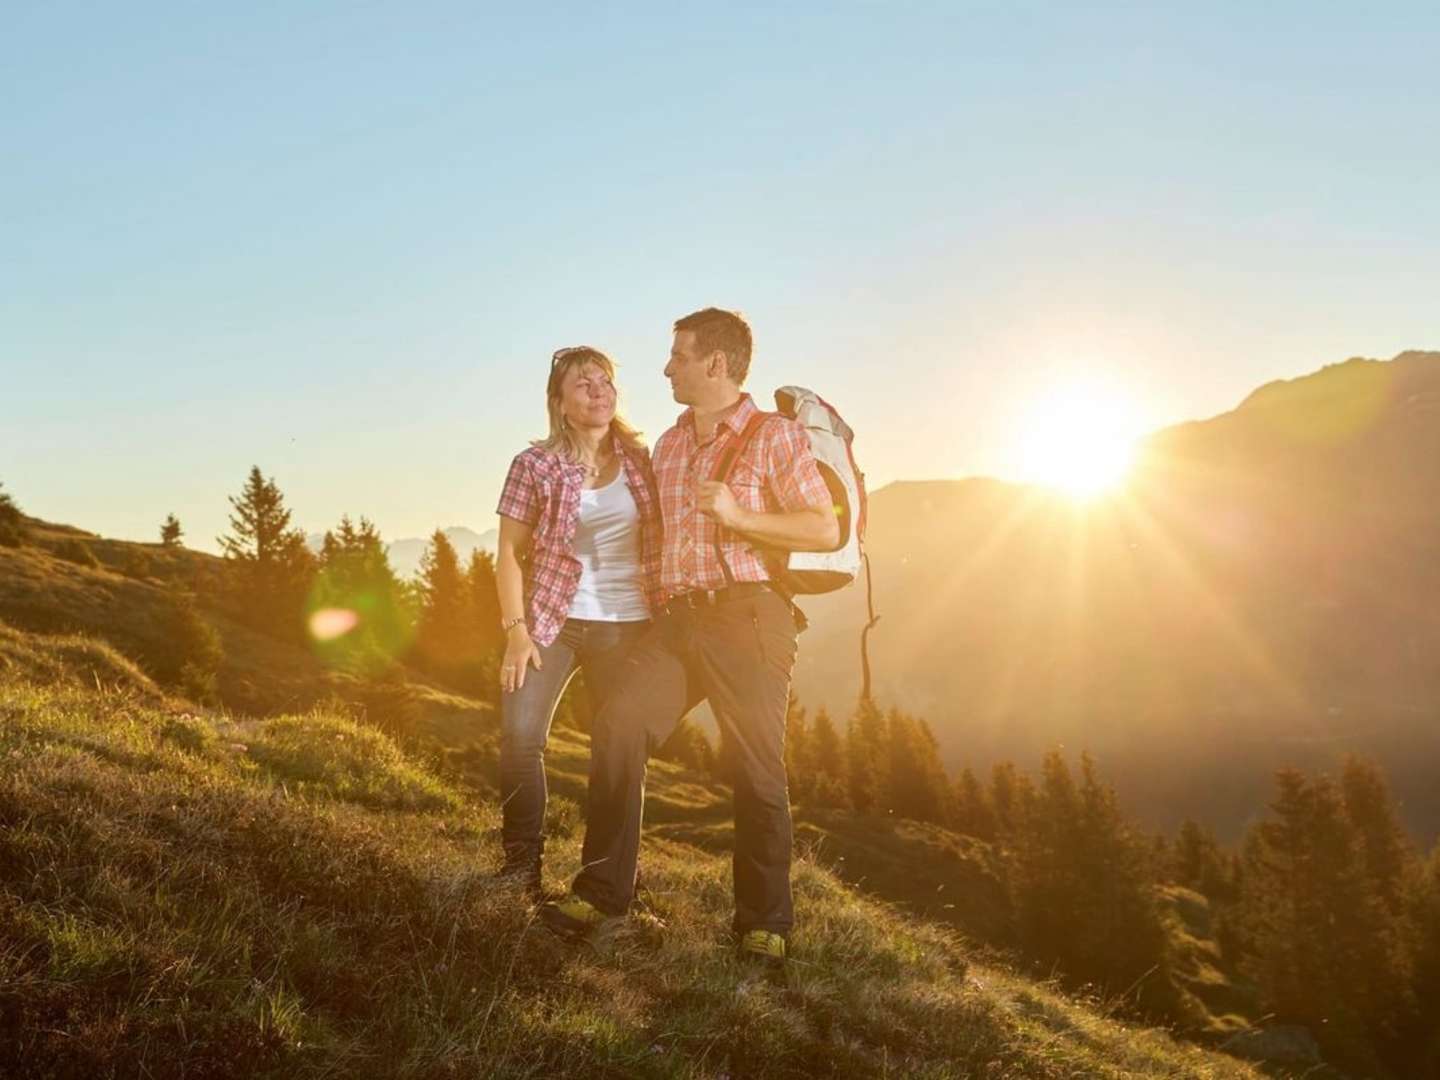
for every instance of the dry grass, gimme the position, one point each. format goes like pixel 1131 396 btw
pixel 296 898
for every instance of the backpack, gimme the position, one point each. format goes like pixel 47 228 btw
pixel 809 572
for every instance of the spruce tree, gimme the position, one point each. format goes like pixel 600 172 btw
pixel 270 567
pixel 1387 851
pixel 827 752
pixel 972 815
pixel 1082 886
pixel 355 576
pixel 1198 863
pixel 440 638
pixel 12 522
pixel 1011 797
pixel 484 603
pixel 799 763
pixel 915 781
pixel 1322 946
pixel 865 757
pixel 170 531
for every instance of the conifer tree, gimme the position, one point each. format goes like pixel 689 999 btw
pixel 865 757
pixel 1082 886
pixel 1198 863
pixel 170 531
pixel 827 752
pixel 441 636
pixel 973 815
pixel 799 761
pixel 1011 796
pixel 270 567
pixel 1426 1038
pixel 915 780
pixel 355 576
pixel 1323 947
pixel 1387 852
pixel 484 603
pixel 12 523
pixel 192 654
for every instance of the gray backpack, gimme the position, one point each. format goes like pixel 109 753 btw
pixel 831 439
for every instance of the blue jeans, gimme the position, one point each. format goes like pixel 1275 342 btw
pixel 595 648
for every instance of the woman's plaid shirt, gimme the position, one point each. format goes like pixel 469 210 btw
pixel 776 473
pixel 542 490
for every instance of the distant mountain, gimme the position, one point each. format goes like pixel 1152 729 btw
pixel 405 554
pixel 1267 590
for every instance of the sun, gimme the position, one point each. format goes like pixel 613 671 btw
pixel 1079 437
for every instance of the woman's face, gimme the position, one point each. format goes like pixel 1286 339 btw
pixel 587 397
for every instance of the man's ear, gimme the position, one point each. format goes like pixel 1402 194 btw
pixel 717 357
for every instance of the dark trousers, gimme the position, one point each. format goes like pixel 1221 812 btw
pixel 739 655
pixel 596 648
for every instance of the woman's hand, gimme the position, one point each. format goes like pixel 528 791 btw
pixel 520 653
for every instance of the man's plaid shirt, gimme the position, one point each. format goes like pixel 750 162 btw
pixel 776 473
pixel 542 490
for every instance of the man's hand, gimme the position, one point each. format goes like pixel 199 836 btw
pixel 717 502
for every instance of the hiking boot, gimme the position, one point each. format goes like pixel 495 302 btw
pixel 762 946
pixel 578 919
pixel 522 866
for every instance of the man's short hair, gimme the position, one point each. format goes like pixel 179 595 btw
pixel 727 331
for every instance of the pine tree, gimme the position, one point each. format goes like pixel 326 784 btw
pixel 1082 886
pixel 192 655
pixel 799 759
pixel 270 567
pixel 1322 946
pixel 170 531
pixel 1426 1039
pixel 1388 854
pixel 1198 863
pixel 973 814
pixel 1011 797
pixel 915 780
pixel 484 603
pixel 827 752
pixel 865 757
pixel 12 522
pixel 355 577
pixel 440 639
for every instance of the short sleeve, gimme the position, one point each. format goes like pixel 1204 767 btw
pixel 520 497
pixel 794 478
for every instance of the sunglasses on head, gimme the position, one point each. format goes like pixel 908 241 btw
pixel 561 354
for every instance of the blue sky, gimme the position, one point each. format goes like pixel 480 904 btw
pixel 340 241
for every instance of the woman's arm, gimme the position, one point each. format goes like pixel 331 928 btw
pixel 520 650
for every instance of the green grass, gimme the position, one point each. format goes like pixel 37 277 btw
pixel 297 898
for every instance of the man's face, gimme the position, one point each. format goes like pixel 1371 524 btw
pixel 686 368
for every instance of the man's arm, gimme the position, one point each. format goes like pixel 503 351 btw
pixel 810 529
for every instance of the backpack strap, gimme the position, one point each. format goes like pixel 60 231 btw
pixel 728 457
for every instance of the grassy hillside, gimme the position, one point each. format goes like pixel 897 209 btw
pixel 123 595
pixel 181 894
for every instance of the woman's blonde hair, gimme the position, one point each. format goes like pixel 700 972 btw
pixel 561 439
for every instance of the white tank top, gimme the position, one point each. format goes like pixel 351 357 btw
pixel 607 543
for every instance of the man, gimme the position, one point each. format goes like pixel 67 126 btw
pixel 723 634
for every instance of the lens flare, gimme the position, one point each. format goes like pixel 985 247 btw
pixel 329 624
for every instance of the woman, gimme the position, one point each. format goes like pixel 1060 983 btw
pixel 578 572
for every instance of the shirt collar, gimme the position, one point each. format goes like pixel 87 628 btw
pixel 736 419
